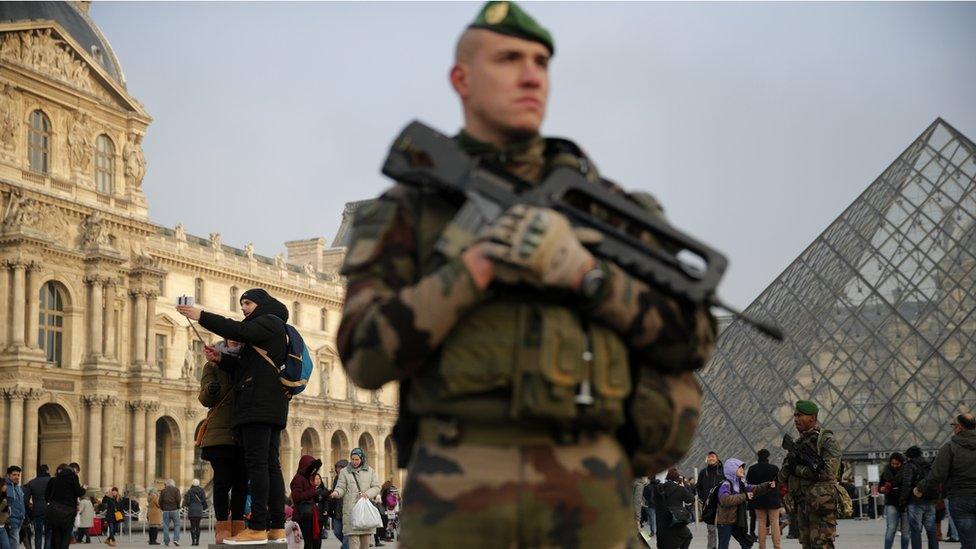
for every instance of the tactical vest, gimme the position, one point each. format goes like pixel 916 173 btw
pixel 519 354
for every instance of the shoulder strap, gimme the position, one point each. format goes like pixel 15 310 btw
pixel 355 477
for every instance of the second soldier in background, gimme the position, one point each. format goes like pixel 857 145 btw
pixel 536 379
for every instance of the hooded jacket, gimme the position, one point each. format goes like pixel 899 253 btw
pixel 195 501
pixel 217 394
pixel 15 501
pixel 351 481
pixel 64 488
pixel 258 394
pixel 900 481
pixel 955 467
pixel 733 495
pixel 302 490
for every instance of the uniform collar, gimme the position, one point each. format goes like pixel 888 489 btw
pixel 525 159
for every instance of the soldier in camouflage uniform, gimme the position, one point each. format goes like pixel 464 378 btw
pixel 535 379
pixel 813 494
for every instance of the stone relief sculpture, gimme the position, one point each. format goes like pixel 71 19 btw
pixel 20 211
pixel 309 270
pixel 9 117
pixel 180 232
pixel 280 261
pixel 81 146
pixel 41 51
pixel 93 232
pixel 135 162
pixel 215 241
pixel 249 250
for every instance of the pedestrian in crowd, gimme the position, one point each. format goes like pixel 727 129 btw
pixel 217 444
pixel 61 498
pixel 389 501
pixel 16 506
pixel 112 507
pixel 380 532
pixel 303 495
pixel 896 485
pixel 335 505
pixel 669 498
pixel 650 502
pixel 154 516
pixel 260 403
pixel 637 500
pixel 356 481
pixel 951 532
pixel 195 502
pixel 26 532
pixel 130 508
pixel 813 493
pixel 734 493
pixel 955 469
pixel 921 508
pixel 86 518
pixel 37 505
pixel 708 478
pixel 765 506
pixel 169 502
pixel 321 503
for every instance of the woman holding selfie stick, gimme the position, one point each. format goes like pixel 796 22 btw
pixel 260 403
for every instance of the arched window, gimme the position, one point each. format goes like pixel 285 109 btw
pixel 50 330
pixel 323 319
pixel 233 298
pixel 296 313
pixel 104 164
pixel 198 291
pixel 39 142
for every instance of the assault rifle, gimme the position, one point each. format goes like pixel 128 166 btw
pixel 681 266
pixel 804 455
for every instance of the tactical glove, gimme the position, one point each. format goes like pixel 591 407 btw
pixel 537 246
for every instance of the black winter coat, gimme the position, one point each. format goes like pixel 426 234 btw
pixel 666 495
pixel 758 474
pixel 899 485
pixel 258 394
pixel 34 495
pixel 64 488
pixel 708 478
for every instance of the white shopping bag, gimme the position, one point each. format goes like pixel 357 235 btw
pixel 365 516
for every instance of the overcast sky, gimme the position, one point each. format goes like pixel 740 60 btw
pixel 755 124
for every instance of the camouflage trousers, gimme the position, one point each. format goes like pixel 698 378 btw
pixel 528 496
pixel 817 531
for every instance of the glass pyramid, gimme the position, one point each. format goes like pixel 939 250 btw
pixel 880 320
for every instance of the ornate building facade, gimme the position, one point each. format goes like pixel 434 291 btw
pixel 96 366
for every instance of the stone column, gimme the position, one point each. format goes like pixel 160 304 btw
pixel 18 306
pixel 110 295
pixel 31 437
pixel 4 302
pixel 139 445
pixel 151 408
pixel 95 317
pixel 139 328
pixel 108 449
pixel 33 303
pixel 151 329
pixel 15 441
pixel 93 469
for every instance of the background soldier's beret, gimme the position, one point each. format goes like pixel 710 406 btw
pixel 508 18
pixel 807 407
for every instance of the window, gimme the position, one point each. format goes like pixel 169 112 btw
pixel 324 319
pixel 296 313
pixel 198 291
pixel 199 359
pixel 50 330
pixel 39 142
pixel 104 165
pixel 233 298
pixel 161 352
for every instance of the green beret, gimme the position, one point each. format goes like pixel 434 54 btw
pixel 508 18
pixel 807 407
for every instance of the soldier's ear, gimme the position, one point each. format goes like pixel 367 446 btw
pixel 459 80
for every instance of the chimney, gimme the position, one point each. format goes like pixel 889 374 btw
pixel 301 252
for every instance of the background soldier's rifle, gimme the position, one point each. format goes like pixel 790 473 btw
pixel 805 455
pixel 680 266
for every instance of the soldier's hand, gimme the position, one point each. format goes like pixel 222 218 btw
pixel 749 495
pixel 540 246
pixel 917 492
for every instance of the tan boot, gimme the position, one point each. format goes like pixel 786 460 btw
pixel 236 527
pixel 248 537
pixel 277 535
pixel 223 531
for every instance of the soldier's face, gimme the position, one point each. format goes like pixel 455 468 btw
pixel 804 422
pixel 504 84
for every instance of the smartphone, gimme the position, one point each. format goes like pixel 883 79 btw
pixel 185 300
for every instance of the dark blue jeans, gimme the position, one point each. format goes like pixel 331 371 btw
pixel 727 531
pixel 41 533
pixel 963 511
pixel 337 530
pixel 921 516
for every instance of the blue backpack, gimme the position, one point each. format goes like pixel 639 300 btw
pixel 297 369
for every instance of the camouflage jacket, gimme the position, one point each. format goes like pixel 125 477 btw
pixel 800 477
pixel 399 307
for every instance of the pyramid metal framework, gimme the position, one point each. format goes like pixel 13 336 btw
pixel 880 317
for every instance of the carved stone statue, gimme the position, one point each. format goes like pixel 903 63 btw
pixel 215 241
pixel 135 162
pixel 20 211
pixel 80 143
pixel 43 52
pixel 9 117
pixel 92 232
pixel 249 250
pixel 309 270
pixel 280 261
pixel 180 232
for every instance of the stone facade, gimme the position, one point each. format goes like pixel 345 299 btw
pixel 96 366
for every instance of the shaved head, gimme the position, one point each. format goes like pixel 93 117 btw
pixel 468 44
